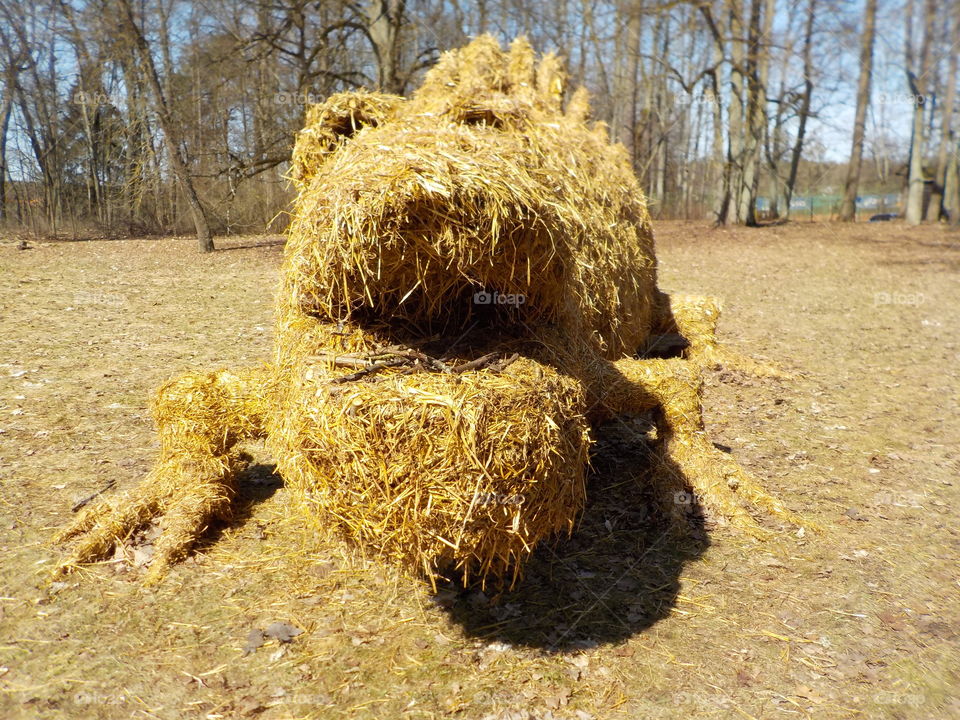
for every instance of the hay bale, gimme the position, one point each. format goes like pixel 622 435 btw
pixel 439 470
pixel 467 466
pixel 201 417
pixel 332 123
pixel 487 185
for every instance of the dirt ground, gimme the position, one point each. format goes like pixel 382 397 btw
pixel 626 619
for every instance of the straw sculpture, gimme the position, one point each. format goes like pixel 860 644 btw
pixel 468 287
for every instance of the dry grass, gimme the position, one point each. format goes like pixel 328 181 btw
pixel 620 621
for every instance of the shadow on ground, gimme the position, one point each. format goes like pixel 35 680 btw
pixel 259 242
pixel 257 483
pixel 615 576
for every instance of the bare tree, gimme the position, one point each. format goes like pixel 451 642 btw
pixel 10 68
pixel 188 110
pixel 952 192
pixel 805 102
pixel 757 66
pixel 625 82
pixel 385 20
pixel 918 82
pixel 737 113
pixel 26 35
pixel 721 160
pixel 848 209
pixel 937 207
pixel 167 123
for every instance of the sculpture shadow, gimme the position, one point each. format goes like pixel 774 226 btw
pixel 269 241
pixel 615 576
pixel 255 484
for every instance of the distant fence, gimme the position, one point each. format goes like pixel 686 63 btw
pixel 814 205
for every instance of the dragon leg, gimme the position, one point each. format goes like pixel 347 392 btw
pixel 695 319
pixel 688 460
pixel 200 419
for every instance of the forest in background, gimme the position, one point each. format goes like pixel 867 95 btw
pixel 131 117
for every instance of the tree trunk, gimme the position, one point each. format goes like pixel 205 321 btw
pixel 721 209
pixel 757 74
pixel 89 97
pixel 169 127
pixel 848 209
pixel 384 19
pixel 625 81
pixel 952 194
pixel 804 103
pixel 776 136
pixel 918 87
pixel 735 132
pixel 938 197
pixel 661 38
pixel 42 156
pixel 5 111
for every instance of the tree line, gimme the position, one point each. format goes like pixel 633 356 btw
pixel 149 116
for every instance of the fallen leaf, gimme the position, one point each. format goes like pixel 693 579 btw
pixel 250 706
pixel 282 632
pixel 559 700
pixel 255 638
pixel 142 555
pixel 892 619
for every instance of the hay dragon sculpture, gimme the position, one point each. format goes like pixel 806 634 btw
pixel 469 286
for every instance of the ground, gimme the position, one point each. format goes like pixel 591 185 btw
pixel 626 619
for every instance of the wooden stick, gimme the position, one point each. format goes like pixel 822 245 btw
pixel 80 503
pixel 405 356
pixel 369 369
